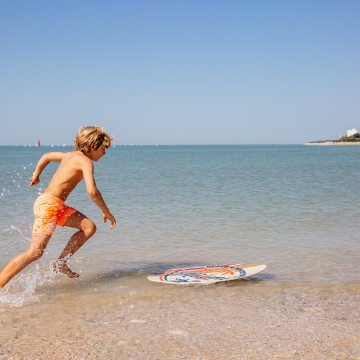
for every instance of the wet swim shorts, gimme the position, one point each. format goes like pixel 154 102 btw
pixel 50 211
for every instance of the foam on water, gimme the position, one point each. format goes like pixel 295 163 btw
pixel 13 227
pixel 22 289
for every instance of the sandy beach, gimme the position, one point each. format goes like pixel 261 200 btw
pixel 333 143
pixel 237 320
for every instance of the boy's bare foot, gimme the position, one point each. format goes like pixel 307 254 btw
pixel 60 266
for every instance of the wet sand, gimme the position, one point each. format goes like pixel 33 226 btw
pixel 235 320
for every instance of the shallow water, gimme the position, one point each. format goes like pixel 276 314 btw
pixel 293 208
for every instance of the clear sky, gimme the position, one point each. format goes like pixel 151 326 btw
pixel 179 71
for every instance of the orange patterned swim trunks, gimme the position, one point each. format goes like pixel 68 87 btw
pixel 50 211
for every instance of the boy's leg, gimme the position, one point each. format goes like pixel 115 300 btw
pixel 86 229
pixel 32 253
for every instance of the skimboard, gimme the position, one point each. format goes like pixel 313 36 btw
pixel 207 274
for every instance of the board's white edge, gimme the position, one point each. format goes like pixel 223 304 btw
pixel 254 269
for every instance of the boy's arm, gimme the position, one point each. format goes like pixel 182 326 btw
pixel 43 162
pixel 94 193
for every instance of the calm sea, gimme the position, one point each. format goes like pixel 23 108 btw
pixel 294 208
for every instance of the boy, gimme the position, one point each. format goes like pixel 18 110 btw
pixel 50 210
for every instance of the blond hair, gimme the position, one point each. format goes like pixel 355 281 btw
pixel 91 138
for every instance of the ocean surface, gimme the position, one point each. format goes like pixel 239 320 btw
pixel 292 207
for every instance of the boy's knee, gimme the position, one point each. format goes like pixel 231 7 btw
pixel 35 253
pixel 89 228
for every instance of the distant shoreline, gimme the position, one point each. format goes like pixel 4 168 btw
pixel 336 143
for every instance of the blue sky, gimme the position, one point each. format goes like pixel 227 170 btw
pixel 179 71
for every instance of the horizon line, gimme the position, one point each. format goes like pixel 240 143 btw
pixel 131 145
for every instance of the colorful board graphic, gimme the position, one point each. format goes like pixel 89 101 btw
pixel 207 274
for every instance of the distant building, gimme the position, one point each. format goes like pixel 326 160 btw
pixel 351 132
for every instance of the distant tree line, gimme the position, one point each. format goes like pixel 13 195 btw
pixel 352 138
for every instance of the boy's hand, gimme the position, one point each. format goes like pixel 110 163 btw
pixel 111 218
pixel 34 180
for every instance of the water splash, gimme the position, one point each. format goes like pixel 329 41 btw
pixel 21 290
pixel 13 227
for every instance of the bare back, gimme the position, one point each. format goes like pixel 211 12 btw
pixel 69 173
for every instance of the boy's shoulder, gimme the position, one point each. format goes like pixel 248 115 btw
pixel 75 153
pixel 77 157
